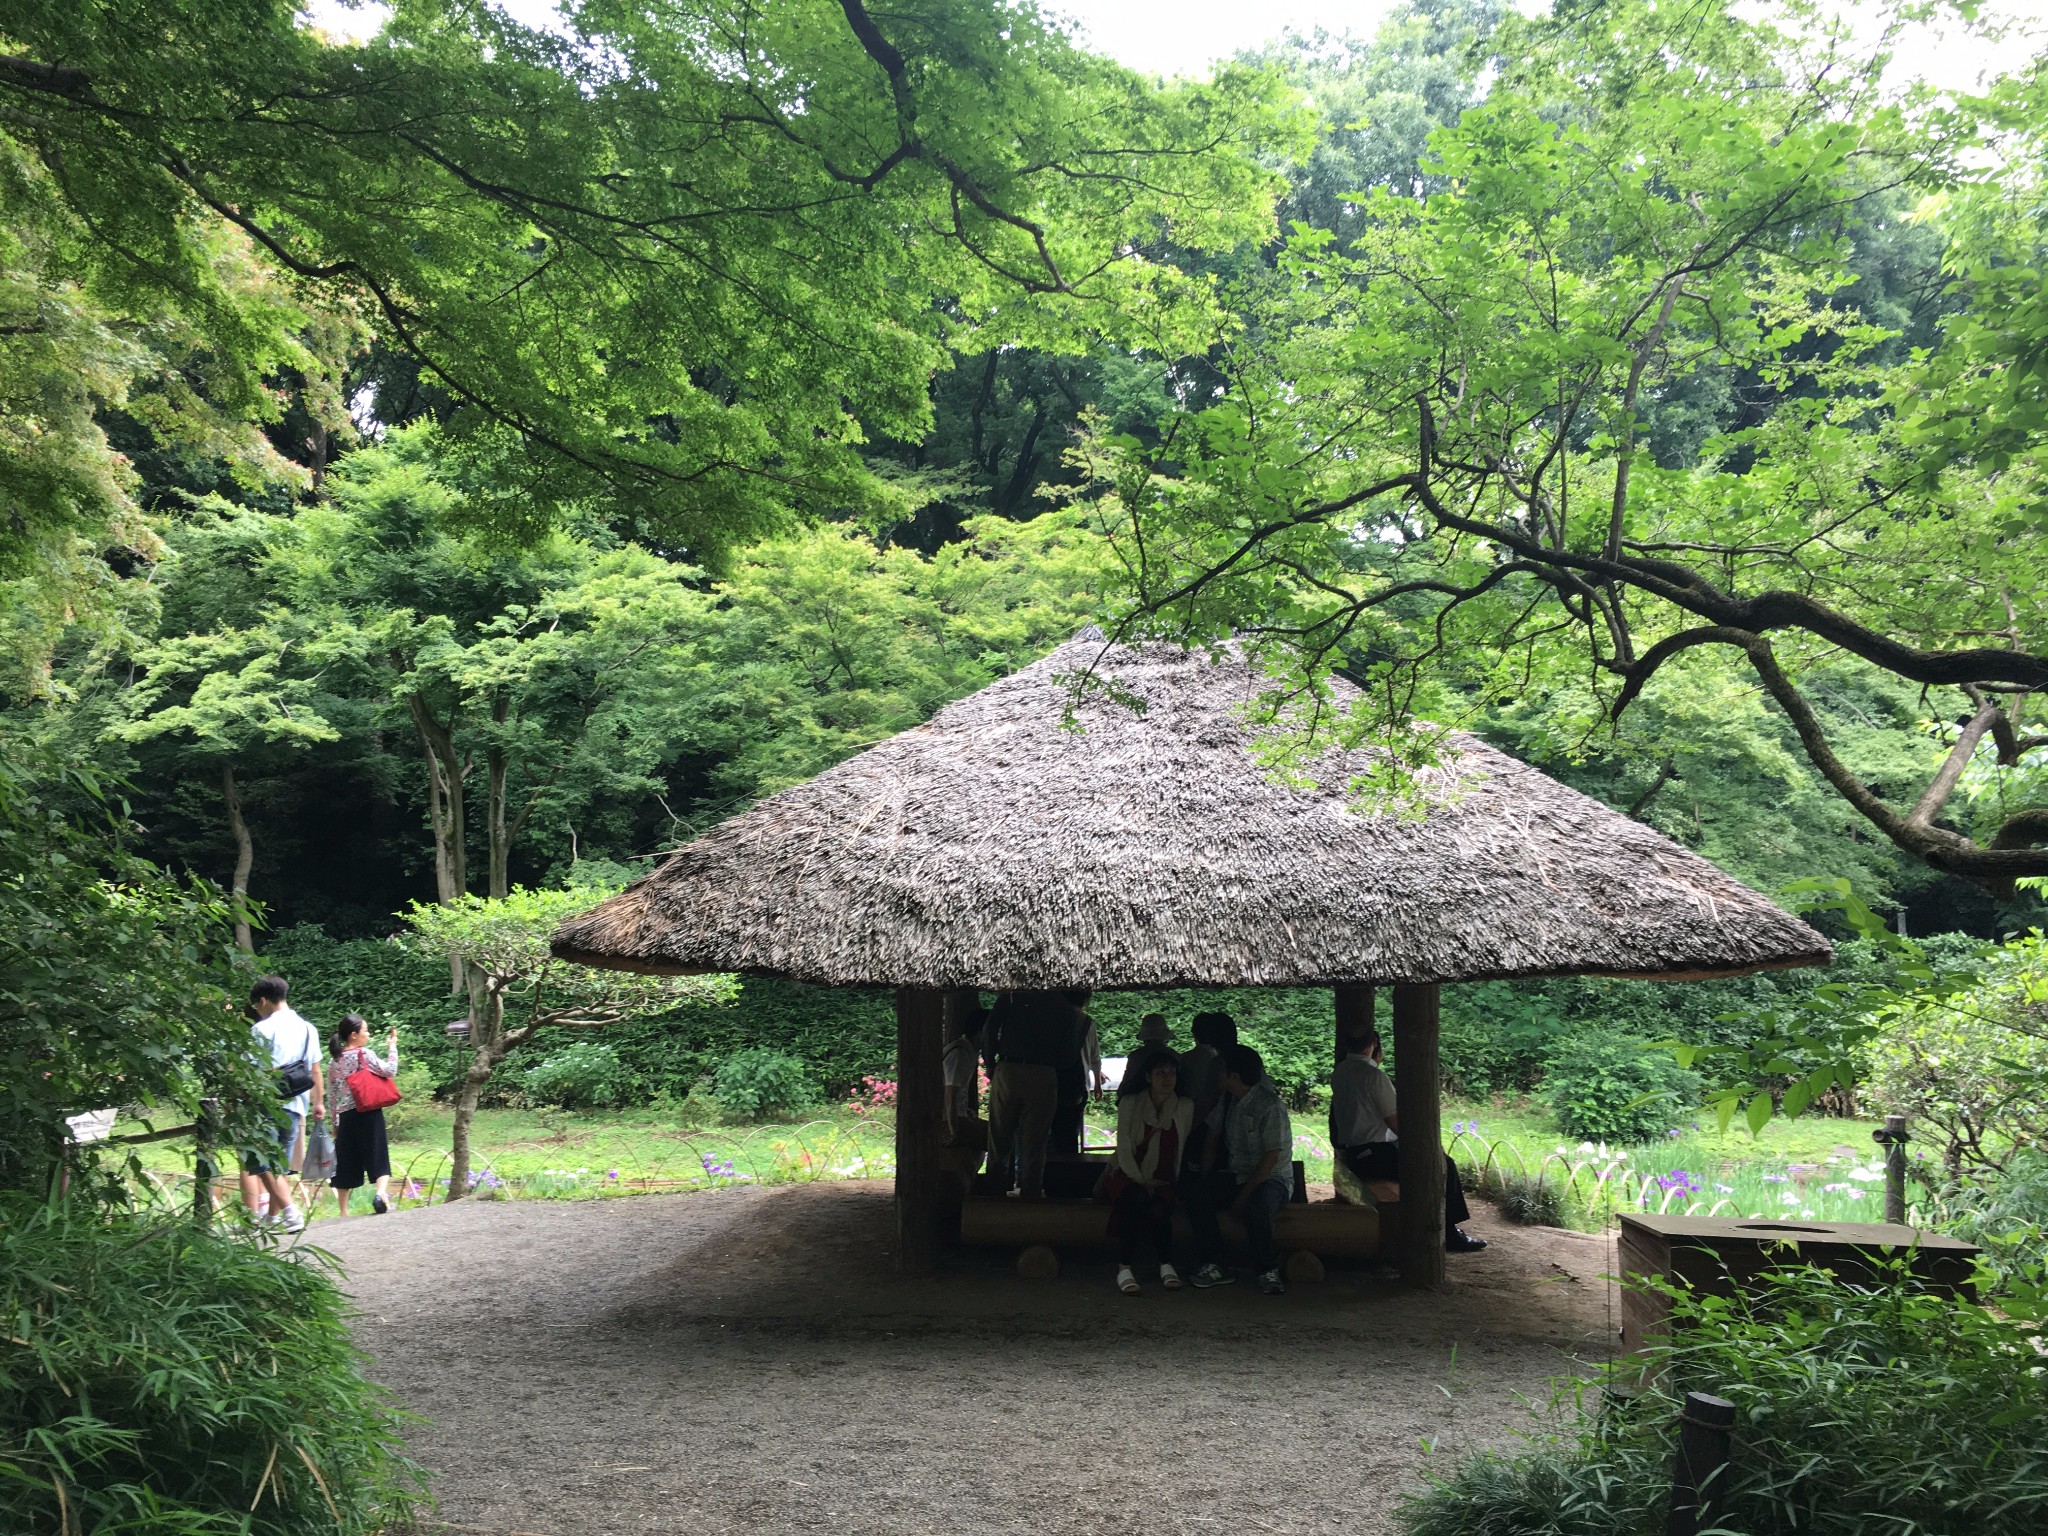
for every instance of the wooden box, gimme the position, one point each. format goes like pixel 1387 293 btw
pixel 1722 1255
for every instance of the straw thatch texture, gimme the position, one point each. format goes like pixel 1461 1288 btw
pixel 997 847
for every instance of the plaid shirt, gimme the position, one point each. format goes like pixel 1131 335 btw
pixel 1255 1125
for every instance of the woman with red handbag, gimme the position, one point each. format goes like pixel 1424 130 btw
pixel 359 1085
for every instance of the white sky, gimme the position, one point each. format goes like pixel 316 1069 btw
pixel 1170 37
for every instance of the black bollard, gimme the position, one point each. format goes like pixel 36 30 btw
pixel 1705 1426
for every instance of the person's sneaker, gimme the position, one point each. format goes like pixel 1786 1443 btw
pixel 1458 1240
pixel 1209 1275
pixel 379 1206
pixel 1169 1277
pixel 1270 1283
pixel 292 1220
pixel 1126 1281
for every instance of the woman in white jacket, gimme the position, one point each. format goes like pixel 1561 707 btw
pixel 1152 1123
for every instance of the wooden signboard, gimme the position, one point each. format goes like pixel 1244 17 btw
pixel 1723 1255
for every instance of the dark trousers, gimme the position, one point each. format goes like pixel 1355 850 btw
pixel 361 1151
pixel 1069 1113
pixel 1021 1100
pixel 1382 1160
pixel 1210 1194
pixel 1139 1213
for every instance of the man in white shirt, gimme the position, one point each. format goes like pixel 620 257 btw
pixel 290 1041
pixel 1365 1133
pixel 963 1075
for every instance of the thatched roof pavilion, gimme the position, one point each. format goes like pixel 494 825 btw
pixel 1131 838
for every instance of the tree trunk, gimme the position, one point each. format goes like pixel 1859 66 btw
pixel 446 813
pixel 486 1050
pixel 500 840
pixel 245 859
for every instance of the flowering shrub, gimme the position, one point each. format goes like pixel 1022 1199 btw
pixel 874 1096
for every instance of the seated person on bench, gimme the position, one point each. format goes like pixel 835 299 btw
pixel 1364 1127
pixel 1152 1121
pixel 963 1075
pixel 1258 1176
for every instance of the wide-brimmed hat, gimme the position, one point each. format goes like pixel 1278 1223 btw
pixel 1153 1030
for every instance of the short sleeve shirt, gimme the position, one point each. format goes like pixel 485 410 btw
pixel 290 1038
pixel 1255 1125
pixel 963 1065
pixel 1361 1099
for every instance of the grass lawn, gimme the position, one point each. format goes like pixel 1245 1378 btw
pixel 1812 1168
pixel 1809 1168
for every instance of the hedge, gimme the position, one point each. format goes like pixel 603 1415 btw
pixel 1496 1035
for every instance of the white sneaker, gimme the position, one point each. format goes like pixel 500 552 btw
pixel 293 1220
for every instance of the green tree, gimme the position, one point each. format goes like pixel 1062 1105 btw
pixel 1432 462
pixel 222 680
pixel 524 990
pixel 116 986
pixel 687 259
pixel 555 673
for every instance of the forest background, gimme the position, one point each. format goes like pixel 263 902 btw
pixel 365 587
pixel 443 471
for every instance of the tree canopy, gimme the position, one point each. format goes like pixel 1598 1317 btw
pixel 1659 353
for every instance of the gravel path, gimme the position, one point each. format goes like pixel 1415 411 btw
pixel 747 1362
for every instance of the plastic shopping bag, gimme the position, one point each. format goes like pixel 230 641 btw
pixel 319 1167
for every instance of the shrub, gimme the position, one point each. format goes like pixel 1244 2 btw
pixel 118 1415
pixel 1617 1088
pixel 416 1104
pixel 1973 1067
pixel 2006 1214
pixel 1527 1200
pixel 581 1076
pixel 1859 1408
pixel 753 1085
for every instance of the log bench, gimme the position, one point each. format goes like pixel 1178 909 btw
pixel 1352 1190
pixel 1327 1228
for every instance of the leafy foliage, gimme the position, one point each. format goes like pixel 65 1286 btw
pixel 118 1416
pixel 2006 1213
pixel 758 1084
pixel 1616 1088
pixel 702 327
pixel 586 1075
pixel 115 982
pixel 1620 378
pixel 1971 1065
pixel 1858 1408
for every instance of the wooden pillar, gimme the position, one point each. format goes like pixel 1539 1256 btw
pixel 920 1012
pixel 1418 1101
pixel 1354 1015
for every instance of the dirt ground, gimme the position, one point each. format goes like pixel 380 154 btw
pixel 747 1361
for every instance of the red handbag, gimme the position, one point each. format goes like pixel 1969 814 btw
pixel 371 1090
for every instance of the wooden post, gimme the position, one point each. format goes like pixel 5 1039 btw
pixel 204 1134
pixel 1417 1099
pixel 1893 1139
pixel 1705 1426
pixel 920 1012
pixel 1354 1014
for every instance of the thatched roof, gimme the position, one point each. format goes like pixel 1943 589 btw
pixel 997 846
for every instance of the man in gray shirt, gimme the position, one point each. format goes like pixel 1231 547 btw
pixel 1258 1176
